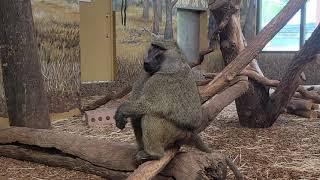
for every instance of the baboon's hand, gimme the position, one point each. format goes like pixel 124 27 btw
pixel 120 119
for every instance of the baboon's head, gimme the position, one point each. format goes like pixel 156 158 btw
pixel 154 58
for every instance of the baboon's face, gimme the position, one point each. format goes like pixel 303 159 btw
pixel 154 58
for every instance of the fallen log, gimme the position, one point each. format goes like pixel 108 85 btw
pixel 305 113
pixel 300 104
pixel 100 157
pixel 309 94
pixel 312 88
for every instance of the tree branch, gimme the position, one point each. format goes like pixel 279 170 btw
pixel 173 3
pixel 291 79
pixel 215 105
pixel 104 100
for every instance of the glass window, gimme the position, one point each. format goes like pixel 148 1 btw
pixel 312 17
pixel 288 38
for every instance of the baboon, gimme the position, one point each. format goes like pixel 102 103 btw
pixel 164 106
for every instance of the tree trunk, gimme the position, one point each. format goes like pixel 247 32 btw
pixel 24 88
pixel 251 105
pixel 156 17
pixel 124 5
pixel 100 157
pixel 249 27
pixel 168 31
pixel 231 44
pixel 146 5
pixel 125 12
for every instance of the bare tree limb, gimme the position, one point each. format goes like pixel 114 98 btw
pixel 261 79
pixel 102 101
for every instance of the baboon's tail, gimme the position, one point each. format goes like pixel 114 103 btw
pixel 195 140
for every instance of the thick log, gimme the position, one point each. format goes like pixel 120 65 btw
pixel 253 48
pixel 54 159
pixel 305 113
pixel 100 157
pixel 300 105
pixel 309 94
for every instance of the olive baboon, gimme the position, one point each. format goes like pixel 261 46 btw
pixel 164 106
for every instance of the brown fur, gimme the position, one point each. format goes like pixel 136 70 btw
pixel 164 107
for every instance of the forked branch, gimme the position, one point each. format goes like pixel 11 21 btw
pixel 254 47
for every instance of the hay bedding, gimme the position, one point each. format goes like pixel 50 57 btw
pixel 288 150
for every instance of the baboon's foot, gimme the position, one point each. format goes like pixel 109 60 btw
pixel 143 156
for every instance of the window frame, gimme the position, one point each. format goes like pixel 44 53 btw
pixel 302 24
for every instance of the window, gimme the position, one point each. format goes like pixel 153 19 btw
pixel 292 36
pixel 312 17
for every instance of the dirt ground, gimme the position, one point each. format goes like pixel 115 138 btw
pixel 288 150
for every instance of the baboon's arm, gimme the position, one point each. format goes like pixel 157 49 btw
pixel 131 109
pixel 134 108
pixel 138 85
pixel 142 106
